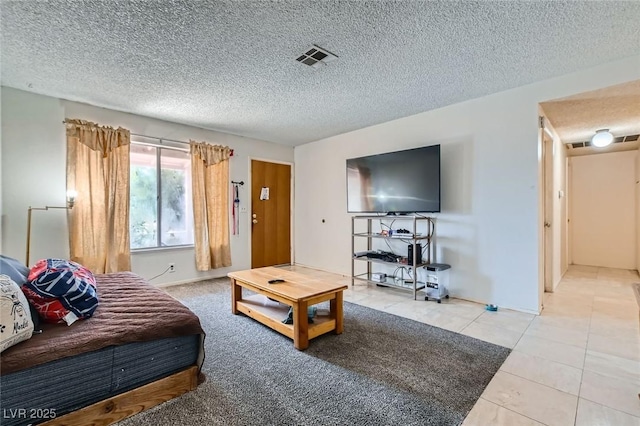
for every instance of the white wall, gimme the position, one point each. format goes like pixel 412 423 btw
pixel 603 210
pixel 1 187
pixel 559 221
pixel 637 183
pixel 561 263
pixel 490 227
pixel 34 173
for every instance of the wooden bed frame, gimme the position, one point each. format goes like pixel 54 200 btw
pixel 119 407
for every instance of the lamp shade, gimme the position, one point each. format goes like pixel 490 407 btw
pixel 602 138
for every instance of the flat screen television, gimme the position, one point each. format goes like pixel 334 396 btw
pixel 396 182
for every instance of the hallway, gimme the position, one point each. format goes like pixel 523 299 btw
pixel 576 364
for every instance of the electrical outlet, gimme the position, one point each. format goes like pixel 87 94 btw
pixel 172 267
pixel 243 209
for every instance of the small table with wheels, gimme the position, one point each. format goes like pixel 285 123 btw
pixel 437 281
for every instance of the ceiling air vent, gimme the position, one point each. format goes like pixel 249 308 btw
pixel 619 139
pixel 628 138
pixel 316 57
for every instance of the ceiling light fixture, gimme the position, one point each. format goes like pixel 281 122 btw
pixel 602 138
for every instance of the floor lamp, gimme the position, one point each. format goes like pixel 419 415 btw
pixel 71 199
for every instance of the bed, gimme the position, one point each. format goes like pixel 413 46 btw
pixel 141 347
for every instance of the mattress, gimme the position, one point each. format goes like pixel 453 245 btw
pixel 130 310
pixel 137 335
pixel 58 387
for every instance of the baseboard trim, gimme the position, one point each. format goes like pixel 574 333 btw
pixel 189 281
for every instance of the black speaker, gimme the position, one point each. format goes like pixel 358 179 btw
pixel 418 254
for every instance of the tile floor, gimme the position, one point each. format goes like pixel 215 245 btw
pixel 576 364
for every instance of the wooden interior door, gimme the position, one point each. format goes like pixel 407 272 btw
pixel 547 167
pixel 271 218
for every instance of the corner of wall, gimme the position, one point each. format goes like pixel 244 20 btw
pixel 559 234
pixel 638 210
pixel 2 224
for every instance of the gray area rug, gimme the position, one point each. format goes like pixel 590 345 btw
pixel 383 370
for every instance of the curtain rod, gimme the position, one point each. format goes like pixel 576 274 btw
pixel 160 139
pixel 159 145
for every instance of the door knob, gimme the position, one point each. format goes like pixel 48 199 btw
pixel 254 215
pixel 254 221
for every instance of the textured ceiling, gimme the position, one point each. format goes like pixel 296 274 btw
pixel 230 65
pixel 576 118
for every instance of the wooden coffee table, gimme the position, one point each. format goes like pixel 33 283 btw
pixel 297 291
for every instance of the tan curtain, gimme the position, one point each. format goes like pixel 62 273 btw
pixel 210 183
pixel 98 169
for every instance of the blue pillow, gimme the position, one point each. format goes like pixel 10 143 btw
pixel 14 269
pixel 18 273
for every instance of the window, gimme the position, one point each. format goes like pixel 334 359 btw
pixel 161 211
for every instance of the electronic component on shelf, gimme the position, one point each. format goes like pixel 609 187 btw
pixel 418 253
pixel 403 233
pixel 384 256
pixel 377 254
pixel 379 277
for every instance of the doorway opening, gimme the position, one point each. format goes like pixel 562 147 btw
pixel 589 196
